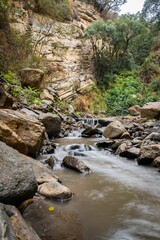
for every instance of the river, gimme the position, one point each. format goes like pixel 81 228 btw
pixel 118 200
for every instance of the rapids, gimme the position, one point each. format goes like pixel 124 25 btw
pixel 118 200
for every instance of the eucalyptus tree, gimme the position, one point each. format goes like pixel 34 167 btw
pixel 115 43
pixel 151 11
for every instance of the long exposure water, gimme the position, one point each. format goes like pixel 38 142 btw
pixel 118 200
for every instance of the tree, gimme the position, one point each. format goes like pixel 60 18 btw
pixel 151 11
pixel 114 41
pixel 106 6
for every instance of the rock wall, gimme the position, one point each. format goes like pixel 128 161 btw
pixel 64 52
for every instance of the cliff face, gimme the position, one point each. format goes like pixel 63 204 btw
pixel 65 54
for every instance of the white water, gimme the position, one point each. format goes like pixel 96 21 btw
pixel 119 200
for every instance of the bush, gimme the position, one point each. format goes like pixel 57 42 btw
pixel 13 86
pixel 59 10
pixel 126 92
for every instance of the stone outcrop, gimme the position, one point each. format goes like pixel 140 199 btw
pixel 114 130
pixel 26 129
pixel 52 124
pixel 67 56
pixel 151 110
pixel 75 163
pixel 17 181
pixel 13 226
pixel 31 77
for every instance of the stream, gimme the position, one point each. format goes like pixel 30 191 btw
pixel 118 200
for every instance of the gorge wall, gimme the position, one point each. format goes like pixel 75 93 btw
pixel 65 54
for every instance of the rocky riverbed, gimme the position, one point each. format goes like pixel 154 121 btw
pixel 26 132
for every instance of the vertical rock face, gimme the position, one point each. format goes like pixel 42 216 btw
pixel 67 58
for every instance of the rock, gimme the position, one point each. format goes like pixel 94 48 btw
pixel 46 95
pixel 89 131
pixel 155 136
pixel 104 144
pixel 29 129
pixel 134 110
pixel 114 130
pixel 49 184
pixel 52 124
pixel 31 77
pixel 6 101
pixel 148 153
pixel 104 122
pixel 13 226
pixel 51 161
pixel 126 135
pixel 12 139
pixel 17 182
pixel 151 110
pixel 54 190
pixel 130 153
pixel 156 162
pixel 75 163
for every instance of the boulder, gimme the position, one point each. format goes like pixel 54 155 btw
pixel 114 130
pixel 151 110
pixel 148 153
pixel 11 138
pixel 130 153
pixel 55 190
pixel 31 77
pixel 104 144
pixel 52 124
pixel 76 164
pixel 49 184
pixel 13 226
pixel 134 110
pixel 156 162
pixel 89 131
pixel 29 129
pixel 17 182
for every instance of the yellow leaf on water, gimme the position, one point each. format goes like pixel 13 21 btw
pixel 51 209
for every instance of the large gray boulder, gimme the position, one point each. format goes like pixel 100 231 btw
pixel 114 130
pixel 28 129
pixel 31 77
pixel 151 110
pixel 13 226
pixel 52 124
pixel 17 181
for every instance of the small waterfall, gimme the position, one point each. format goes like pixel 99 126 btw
pixel 89 121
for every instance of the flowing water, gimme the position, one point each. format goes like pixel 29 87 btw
pixel 118 200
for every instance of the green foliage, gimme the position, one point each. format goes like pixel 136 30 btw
pixel 117 43
pixel 14 87
pixel 59 10
pixel 151 10
pixel 126 92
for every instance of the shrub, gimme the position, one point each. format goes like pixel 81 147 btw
pixel 127 91
pixel 59 10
